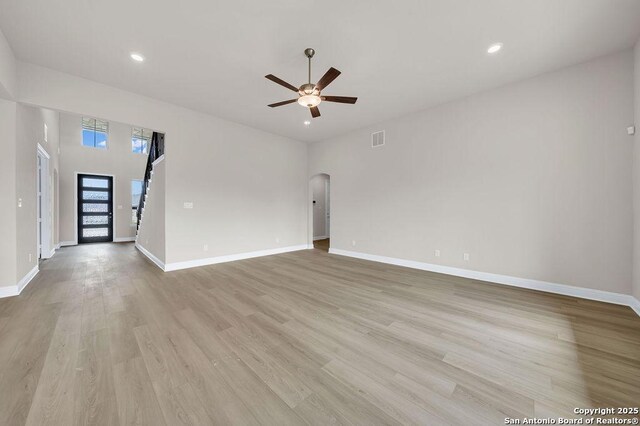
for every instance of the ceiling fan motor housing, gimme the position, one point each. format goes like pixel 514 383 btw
pixel 309 89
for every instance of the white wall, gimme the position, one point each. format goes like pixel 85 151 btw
pixel 248 187
pixel 26 146
pixel 32 133
pixel 116 160
pixel 8 112
pixel 7 69
pixel 29 133
pixel 151 236
pixel 318 188
pixel 636 177
pixel 52 146
pixel 7 193
pixel 533 180
pixel 21 129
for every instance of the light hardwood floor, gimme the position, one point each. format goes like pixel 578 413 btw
pixel 102 336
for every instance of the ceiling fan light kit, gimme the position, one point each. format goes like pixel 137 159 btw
pixel 309 94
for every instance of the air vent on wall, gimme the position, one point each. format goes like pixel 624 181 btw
pixel 377 138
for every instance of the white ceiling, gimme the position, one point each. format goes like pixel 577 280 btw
pixel 396 56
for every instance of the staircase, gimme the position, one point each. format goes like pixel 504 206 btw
pixel 156 150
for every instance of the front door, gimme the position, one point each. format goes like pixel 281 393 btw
pixel 95 209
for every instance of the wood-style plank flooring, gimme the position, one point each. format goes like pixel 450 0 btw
pixel 321 244
pixel 102 336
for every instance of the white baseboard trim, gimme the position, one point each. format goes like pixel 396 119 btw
pixel 231 257
pixel 567 290
pixel 14 290
pixel 324 237
pixel 27 278
pixel 124 239
pixel 635 304
pixel 67 243
pixel 151 257
pixel 52 252
pixel 8 291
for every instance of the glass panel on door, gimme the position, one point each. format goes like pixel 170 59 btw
pixel 95 208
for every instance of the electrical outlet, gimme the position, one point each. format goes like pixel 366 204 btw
pixel 206 247
pixel 19 202
pixel 277 239
pixel 465 256
pixel 119 207
pixel 188 205
pixel 30 257
pixel 631 130
pixel 353 243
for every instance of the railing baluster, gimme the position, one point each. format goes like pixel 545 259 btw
pixel 156 150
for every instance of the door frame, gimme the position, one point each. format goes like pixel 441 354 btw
pixel 327 207
pixel 310 208
pixel 75 202
pixel 44 246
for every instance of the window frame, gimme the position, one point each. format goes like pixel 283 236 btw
pixel 95 131
pixel 141 136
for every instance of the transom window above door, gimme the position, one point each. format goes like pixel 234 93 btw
pixel 141 140
pixel 94 132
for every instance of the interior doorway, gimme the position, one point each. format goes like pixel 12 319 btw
pixel 43 205
pixel 321 199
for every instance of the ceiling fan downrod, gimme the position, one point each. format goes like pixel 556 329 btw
pixel 309 52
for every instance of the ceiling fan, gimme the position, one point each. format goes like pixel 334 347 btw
pixel 310 95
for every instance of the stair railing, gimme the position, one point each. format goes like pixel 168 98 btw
pixel 156 150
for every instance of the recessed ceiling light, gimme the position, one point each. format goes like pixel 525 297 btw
pixel 137 57
pixel 494 48
pixel 307 123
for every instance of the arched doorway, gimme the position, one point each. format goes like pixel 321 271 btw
pixel 320 189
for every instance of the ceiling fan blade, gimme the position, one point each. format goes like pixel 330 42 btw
pixel 327 78
pixel 281 82
pixel 340 99
pixel 277 104
pixel 315 112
